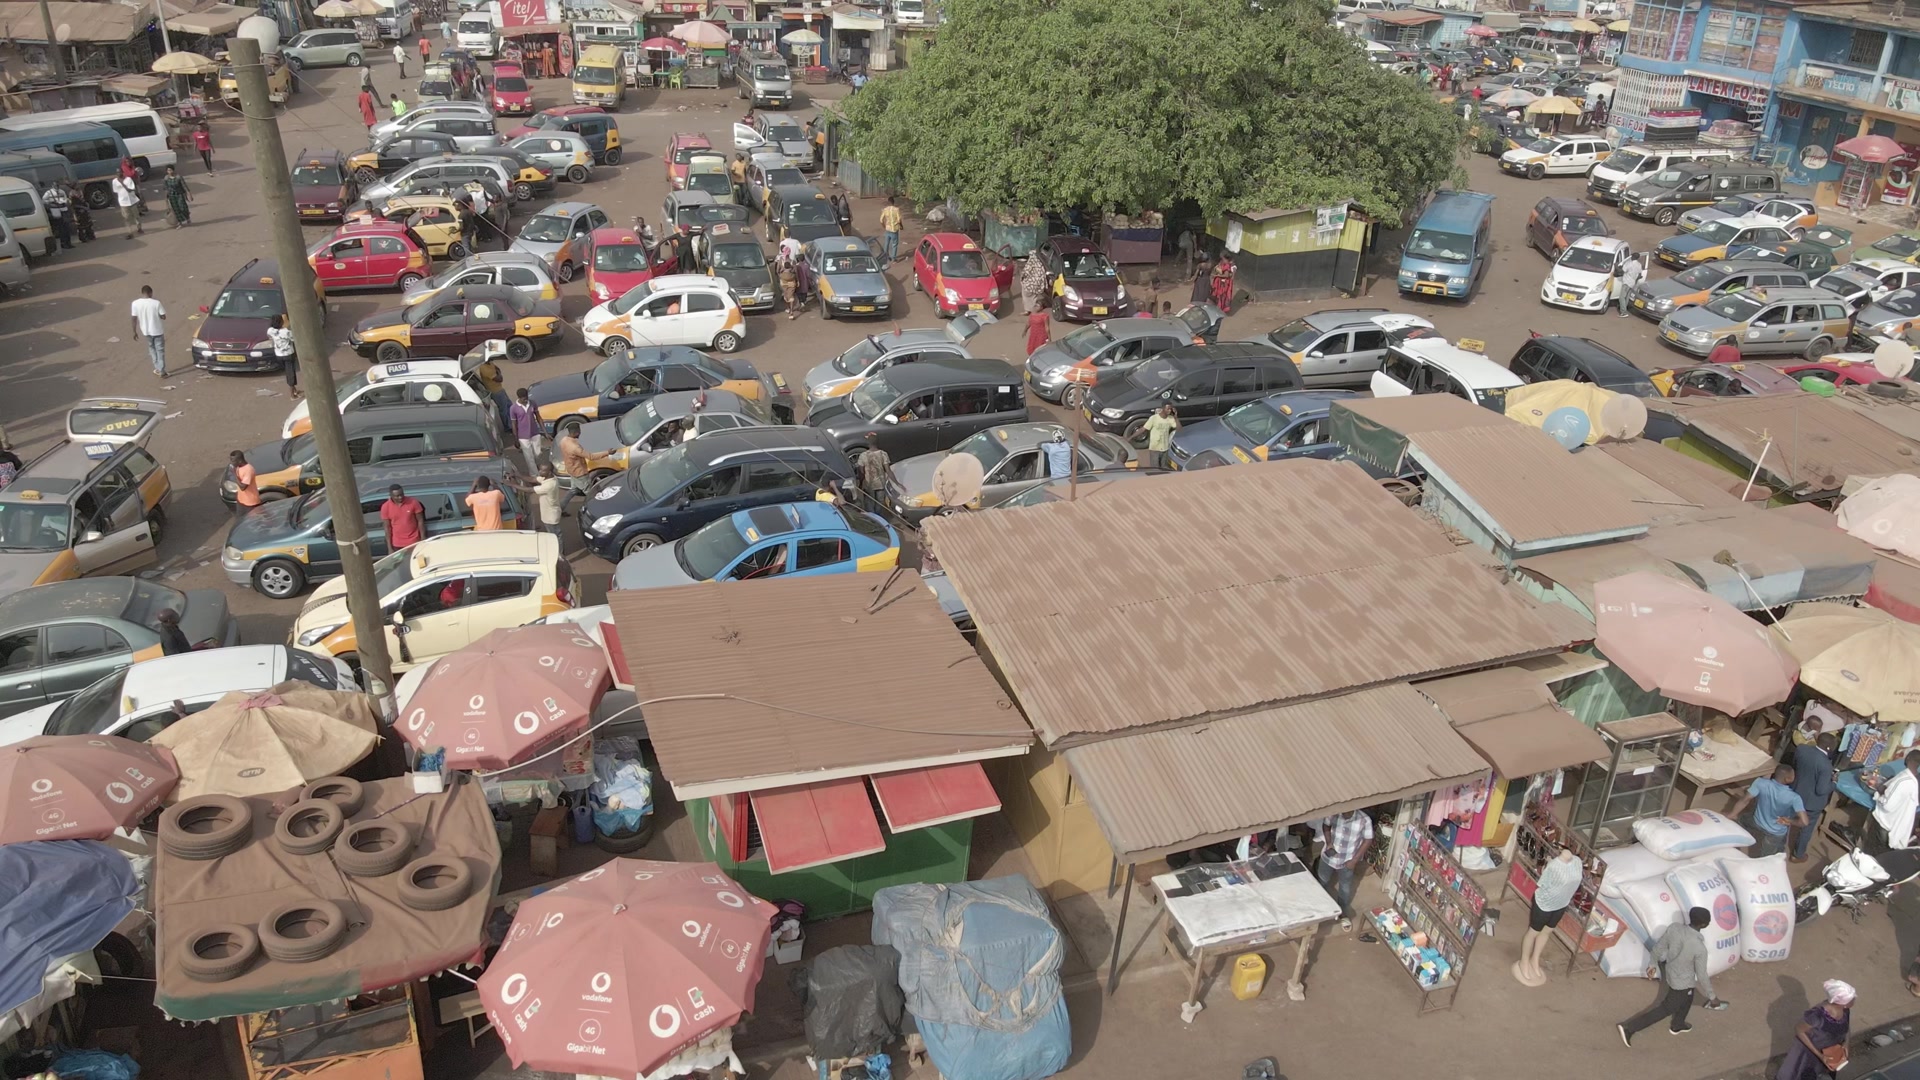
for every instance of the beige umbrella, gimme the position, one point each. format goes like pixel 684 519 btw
pixel 1885 512
pixel 347 9
pixel 1875 672
pixel 803 37
pixel 184 63
pixel 1618 26
pixel 1552 105
pixel 700 35
pixel 259 744
pixel 1585 26
pixel 1811 629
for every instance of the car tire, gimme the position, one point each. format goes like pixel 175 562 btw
pixel 1666 216
pixel 206 827
pixel 119 958
pixel 366 174
pixel 1136 434
pixel 457 251
pixel 726 341
pixel 1818 348
pixel 1536 171
pixel 1073 396
pixel 523 191
pixel 435 883
pixel 389 352
pixel 519 350
pixel 826 309
pixel 373 848
pixel 613 156
pixel 355 60
pixel 614 344
pixel 98 197
pixel 342 791
pixel 1887 388
pixel 156 525
pixel 563 273
pixel 219 953
pixel 1729 341
pixel 627 841
pixel 295 63
pixel 279 579
pixel 640 541
pixel 308 827
pixel 914 280
pixel 320 925
pixel 409 280
pixel 1060 308
pixel 577 174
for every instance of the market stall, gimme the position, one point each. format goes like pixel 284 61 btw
pixel 1432 919
pixel 1588 927
pixel 1215 909
pixel 1133 238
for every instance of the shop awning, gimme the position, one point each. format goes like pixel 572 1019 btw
pixel 851 20
pixel 136 85
pixel 1508 715
pixel 815 824
pixel 1501 20
pixel 534 29
pixel 918 798
pixel 1560 666
pixel 1766 559
pixel 219 19
pixel 1405 18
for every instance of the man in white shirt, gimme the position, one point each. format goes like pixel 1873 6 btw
pixel 1896 801
pixel 56 201
pixel 1631 272
pixel 150 325
pixel 128 196
pixel 400 57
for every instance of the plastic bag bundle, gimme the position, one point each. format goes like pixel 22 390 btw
pixel 1765 895
pixel 1689 834
pixel 1654 904
pixel 1630 863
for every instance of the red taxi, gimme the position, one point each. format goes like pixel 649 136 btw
pixel 375 255
pixel 512 94
pixel 617 260
pixel 1840 369
pixel 681 150
pixel 960 277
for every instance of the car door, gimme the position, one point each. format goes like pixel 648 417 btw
pixel 712 495
pixel 344 263
pixel 1836 321
pixel 445 512
pixel 909 427
pixel 963 410
pixel 20 685
pixel 443 331
pixel 114 534
pixel 772 558
pixel 1015 474
pixel 745 138
pixel 1319 363
pixel 486 318
pixel 1529 363
pixel 1768 331
pixel 1239 384
pixel 821 555
pixel 78 654
pixel 1540 225
pixel 525 279
pixel 1803 325
pixel 387 257
pixel 1196 396
pixel 432 620
pixel 1308 437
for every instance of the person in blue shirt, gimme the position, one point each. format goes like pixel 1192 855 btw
pixel 1813 782
pixel 1776 806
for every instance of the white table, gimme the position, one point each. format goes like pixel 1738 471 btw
pixel 1205 925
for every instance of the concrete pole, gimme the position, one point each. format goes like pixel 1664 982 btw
pixel 53 44
pixel 307 320
pixel 166 39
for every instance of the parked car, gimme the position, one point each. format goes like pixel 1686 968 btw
pixel 1816 251
pixel 285 468
pixel 1586 274
pixel 1762 322
pixel 1436 366
pixel 58 638
pixel 460 319
pixel 1287 424
pixel 796 539
pixel 778 132
pixel 1867 279
pixel 93 503
pixel 802 213
pixel 681 210
pixel 1656 298
pixel 376 255
pixel 1786 211
pixel 1726 380
pixel 678 309
pixel 1555 222
pixel 1013 458
pixel 468 132
pixel 409 382
pixel 877 352
pixel 233 336
pixel 432 108
pixel 1547 357
pixel 516 269
pixel 512 94
pixel 682 148
pixel 445 593
pixel 323 48
pixel 559 234
pixel 396 151
pixel 590 122
pixel 562 152
pixel 1711 241
pixel 734 255
pixel 434 221
pixel 524 183
pixel 1904 246
pixel 323 186
pixel 767 171
pixel 919 408
pixel 627 379
pixel 1891 316
pixel 1084 283
pixel 665 420
pixel 708 173
pixel 847 278
pixel 1841 369
pixel 1556 155
pixel 960 277
pixel 1199 381
pixel 617 259
pixel 1342 347
pixel 1063 371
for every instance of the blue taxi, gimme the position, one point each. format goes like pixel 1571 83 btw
pixel 785 540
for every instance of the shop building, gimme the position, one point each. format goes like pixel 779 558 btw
pixel 1302 254
pixel 1687 62
pixel 1853 70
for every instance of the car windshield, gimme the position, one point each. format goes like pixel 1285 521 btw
pixel 783 177
pixel 769 71
pixel 1717 232
pixel 1085 341
pixel 247 304
pixel 1899 244
pixel 318 176
pixel 686 153
pixel 620 258
pixel 149 600
pixel 1542 146
pixel 1088 264
pixel 313 502
pixel 1735 206
pixel 390 572
pixel 596 76
pixel 439 87
pixel 984 446
pixel 544 120
pixel 963 264
pixel 1155 375
pixel 658 475
pixel 636 423
pixel 1738 307
pixel 849 262
pixel 1256 421
pixel 33 526
pixel 1904 302
pixel 709 549
pixel 786 133
pixel 1444 246
pixel 511 84
pixel 1667 178
pixel 1700 277
pixel 872 397
pixel 349 386
pixel 1589 259
pixel 1583 225
pixel 1625 161
pixel 811 212
pixel 737 257
pixel 713 183
pixel 546 228
pixel 632 298
pixel 91 711
pixel 855 360
pixel 1294 336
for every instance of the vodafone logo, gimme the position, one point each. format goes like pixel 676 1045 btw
pixel 593 873
pixel 601 983
pixel 554 920
pixel 477 701
pixel 526 723
pixel 663 1021
pixel 585 643
pixel 513 989
pixel 119 792
pixel 42 786
pixel 732 900
pixel 690 928
pixel 415 719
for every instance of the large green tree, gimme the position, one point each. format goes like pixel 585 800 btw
pixel 1134 104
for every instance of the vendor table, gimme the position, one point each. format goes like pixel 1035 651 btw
pixel 1845 820
pixel 1215 908
pixel 1716 765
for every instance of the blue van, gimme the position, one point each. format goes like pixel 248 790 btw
pixel 93 150
pixel 1448 251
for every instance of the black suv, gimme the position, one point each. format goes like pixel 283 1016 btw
pixel 666 495
pixel 1197 380
pixel 1547 357
pixel 925 406
pixel 323 186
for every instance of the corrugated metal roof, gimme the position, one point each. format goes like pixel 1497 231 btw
pixel 1577 569
pixel 1162 791
pixel 1221 590
pixel 1376 430
pixel 1524 489
pixel 1812 443
pixel 100 23
pixel 1405 18
pixel 868 674
pixel 1670 486
pixel 1508 715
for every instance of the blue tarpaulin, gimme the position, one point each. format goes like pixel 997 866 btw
pixel 57 898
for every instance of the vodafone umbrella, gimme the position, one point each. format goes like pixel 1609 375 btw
pixel 1668 636
pixel 1477 30
pixel 507 696
pixel 621 968
pixel 1875 671
pixel 701 35
pixel 79 787
pixel 1869 149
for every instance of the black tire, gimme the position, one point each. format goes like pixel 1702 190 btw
pixel 1073 396
pixel 1888 388
pixel 435 883
pixel 219 953
pixel 577 174
pixel 1805 908
pixel 1136 434
pixel 826 309
pixel 519 350
pixel 1536 171
pixel 156 525
pixel 600 476
pixel 278 579
pixel 563 273
pixel 1666 215
pixel 409 280
pixel 1060 308
pixel 457 250
pixel 1818 348
pixel 366 174
pixel 373 848
pixel 294 63
pixel 523 191
pixel 914 280
pixel 342 791
pixel 303 931
pixel 625 843
pixel 640 541
pixel 726 341
pixel 613 156
pixel 309 827
pixel 355 60
pixel 614 344
pixel 206 827
pixel 98 197
pixel 389 352
pixel 119 958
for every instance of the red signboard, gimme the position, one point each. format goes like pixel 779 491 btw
pixel 1723 88
pixel 522 12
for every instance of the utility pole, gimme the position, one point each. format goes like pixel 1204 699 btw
pixel 53 43
pixel 308 322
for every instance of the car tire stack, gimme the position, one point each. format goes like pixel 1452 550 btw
pixel 435 883
pixel 219 953
pixel 303 931
pixel 372 848
pixel 309 827
pixel 206 827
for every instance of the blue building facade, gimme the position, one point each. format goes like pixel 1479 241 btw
pixel 1852 69
pixel 1712 60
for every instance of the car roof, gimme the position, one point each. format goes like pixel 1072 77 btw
pixel 1562 204
pixel 689 281
pixel 1328 320
pixel 571 110
pixel 370 228
pixel 433 368
pixel 1071 245
pixel 494 548
pixel 678 403
pixel 1027 436
pixel 952 241
pixel 1477 370
pixel 1734 266
pixel 364 421
pixel 781 518
pixel 614 234
pixel 570 208
pixel 1599 243
pixel 690 138
pixel 504 258
pixel 947 368
pixel 771 118
pixel 797 191
pixel 501 67
pixel 57 473
pixel 203 673
pixel 835 245
pixel 101 597
pixel 1586 351
pixel 486 292
pixel 1875 263
pixel 1296 402
pixel 1195 356
pixel 255 272
pixel 1776 293
pixel 709 449
pixel 376 479
pixel 316 157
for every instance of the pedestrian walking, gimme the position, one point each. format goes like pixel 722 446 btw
pixel 890 228
pixel 446 31
pixel 399 107
pixel 404 519
pixel 1630 276
pixel 550 495
pixel 366 82
pixel 54 198
pixel 480 207
pixel 789 285
pixel 132 172
pixel 488 505
pixel 1345 841
pixel 1160 428
pixel 178 198
pixel 128 196
pixel 494 382
pixel 1813 781
pixel 1202 281
pixel 203 142
pixel 1819 1048
pixel 1039 329
pixel 82 215
pixel 1033 283
pixel 150 326
pixel 282 338
pixel 369 115
pixel 525 422
pixel 573 457
pixel 426 53
pixel 738 172
pixel 1776 807
pixel 400 58
pixel 246 482
pixel 1679 960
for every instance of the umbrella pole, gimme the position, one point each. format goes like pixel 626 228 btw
pixel 1767 441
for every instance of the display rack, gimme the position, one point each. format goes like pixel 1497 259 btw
pixel 1634 781
pixel 1441 908
pixel 1588 926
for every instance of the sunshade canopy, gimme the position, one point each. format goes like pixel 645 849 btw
pixel 280 738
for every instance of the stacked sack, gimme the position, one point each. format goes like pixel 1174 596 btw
pixel 1693 859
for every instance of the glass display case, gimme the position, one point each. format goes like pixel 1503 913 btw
pixel 1634 781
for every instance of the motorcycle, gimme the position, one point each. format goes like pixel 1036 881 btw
pixel 1855 880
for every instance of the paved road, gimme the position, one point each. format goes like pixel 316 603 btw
pixel 69 335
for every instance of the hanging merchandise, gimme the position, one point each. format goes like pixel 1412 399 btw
pixel 1765 895
pixel 1435 917
pixel 1689 833
pixel 1705 885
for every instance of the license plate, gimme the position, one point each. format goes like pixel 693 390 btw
pixel 1028 375
pixel 1431 290
pixel 313 210
pixel 229 358
pixel 1569 296
pixel 1639 303
pixel 779 380
pixel 1099 311
pixel 976 307
pixel 863 307
pixel 1088 413
pixel 1670 335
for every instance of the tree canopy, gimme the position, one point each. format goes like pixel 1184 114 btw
pixel 1133 104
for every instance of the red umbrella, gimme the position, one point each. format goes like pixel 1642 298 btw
pixel 1670 637
pixel 79 787
pixel 1482 31
pixel 507 696
pixel 1870 149
pixel 618 970
pixel 663 43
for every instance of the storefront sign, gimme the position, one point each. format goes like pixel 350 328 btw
pixel 681 7
pixel 522 12
pixel 1903 95
pixel 1722 88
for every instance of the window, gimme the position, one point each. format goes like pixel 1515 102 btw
pixel 20 652
pixel 1369 340
pixel 1198 384
pixel 682 377
pixel 519 276
pixel 1806 313
pixel 821 551
pixel 1529 364
pixel 67 642
pixel 434 597
pixel 433 393
pixel 388 245
pixel 1761 182
pixel 484 312
pixel 1239 380
pixel 714 484
pixel 402 447
pixel 965 400
pixel 459 441
pixel 1758 281
pixel 452 315
pixel 1832 312
pixel 80 153
pixel 770 476
pixel 360 451
pixel 1007 399
pixel 349 249
pixel 438 506
pixel 1865 46
pixel 490 587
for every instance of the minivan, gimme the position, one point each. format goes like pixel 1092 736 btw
pixel 13 261
pixel 92 150
pixel 913 409
pixel 1664 196
pixel 478 32
pixel 287 467
pixel 1197 380
pixel 765 81
pixel 600 77
pixel 1630 164
pixel 1435 366
pixel 36 167
pixel 1547 357
pixel 143 130
pixel 1448 250
pixel 20 203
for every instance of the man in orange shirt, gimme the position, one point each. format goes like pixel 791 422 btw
pixel 246 493
pixel 488 504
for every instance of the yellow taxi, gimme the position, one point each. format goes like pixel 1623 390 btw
pixel 434 219
pixel 279 81
pixel 458 319
pixel 93 504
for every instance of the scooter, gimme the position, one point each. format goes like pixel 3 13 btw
pixel 1855 880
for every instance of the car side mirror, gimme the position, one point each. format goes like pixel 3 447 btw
pixel 91 535
pixel 1759 326
pixel 683 502
pixel 1180 395
pixel 1166 395
pixel 891 419
pixel 204 309
pixel 396 617
pixel 1316 353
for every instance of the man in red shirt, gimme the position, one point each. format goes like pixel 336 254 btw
pixel 404 518
pixel 203 142
pixel 1724 353
pixel 246 488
